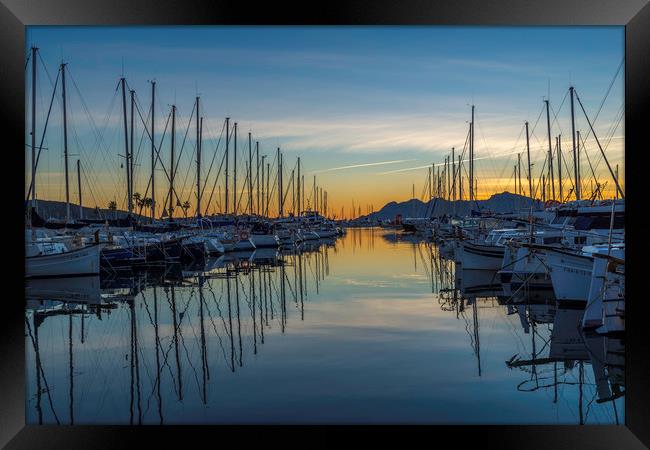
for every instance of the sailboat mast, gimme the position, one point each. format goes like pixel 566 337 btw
pixel 198 157
pixel 471 158
pixel 519 173
pixel 279 182
pixel 34 50
pixel 65 146
pixel 257 178
pixel 460 179
pixel 126 145
pixel 530 175
pixel 153 152
pixel 263 211
pixel 550 151
pixel 81 210
pixel 453 173
pixel 131 152
pixel 433 178
pixel 302 185
pixel 227 148
pixel 579 177
pixel 171 173
pixel 298 190
pixel 314 206
pixel 250 175
pixel 559 166
pixel 268 178
pixel 234 172
pixel 575 156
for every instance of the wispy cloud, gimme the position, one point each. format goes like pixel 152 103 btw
pixel 354 166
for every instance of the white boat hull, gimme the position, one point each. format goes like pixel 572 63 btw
pixel 83 261
pixel 570 276
pixel 473 256
pixel 265 240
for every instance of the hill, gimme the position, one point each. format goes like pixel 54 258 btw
pixel 504 202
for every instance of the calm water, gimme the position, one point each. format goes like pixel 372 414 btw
pixel 366 329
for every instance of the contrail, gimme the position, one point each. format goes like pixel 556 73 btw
pixel 382 163
pixel 429 165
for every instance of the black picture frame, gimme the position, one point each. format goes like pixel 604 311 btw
pixel 16 14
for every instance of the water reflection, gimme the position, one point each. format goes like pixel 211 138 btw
pixel 314 334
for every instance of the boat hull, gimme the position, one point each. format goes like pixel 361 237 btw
pixel 79 262
pixel 474 256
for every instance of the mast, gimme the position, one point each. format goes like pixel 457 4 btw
pixel 171 178
pixel 575 156
pixel 453 173
pixel 65 147
pixel 199 122
pixel 433 178
pixel 234 172
pixel 578 182
pixel 263 212
pixel 279 182
pixel 559 165
pixel 34 49
pixel 530 175
pixel 298 190
pixel 257 178
pixel 250 175
pixel 293 192
pixel 315 197
pixel 130 159
pixel 153 152
pixel 268 177
pixel 302 186
pixel 227 148
pixel 126 145
pixel 460 179
pixel 471 158
pixel 519 172
pixel 550 151
pixel 81 210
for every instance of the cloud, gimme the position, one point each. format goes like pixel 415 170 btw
pixel 381 163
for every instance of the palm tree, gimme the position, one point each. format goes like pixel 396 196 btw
pixel 112 205
pixel 185 206
pixel 138 199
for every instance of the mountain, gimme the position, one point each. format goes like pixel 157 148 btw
pixel 504 202
pixel 56 210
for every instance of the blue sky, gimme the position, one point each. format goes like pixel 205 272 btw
pixel 339 96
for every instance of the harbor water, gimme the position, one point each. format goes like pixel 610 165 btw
pixel 373 327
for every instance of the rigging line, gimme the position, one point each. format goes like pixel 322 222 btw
pixel 609 88
pixel 584 151
pixel 611 172
pixel 40 147
pixel 159 159
pixel 189 122
pixel 40 368
pixel 216 179
pixel 214 156
pixel 99 139
pixel 611 132
pixel 85 176
pixel 555 114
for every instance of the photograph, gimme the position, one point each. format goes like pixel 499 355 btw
pixel 324 225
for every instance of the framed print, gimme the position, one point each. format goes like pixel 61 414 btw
pixel 362 218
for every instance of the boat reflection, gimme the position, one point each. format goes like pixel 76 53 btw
pixel 561 353
pixel 185 322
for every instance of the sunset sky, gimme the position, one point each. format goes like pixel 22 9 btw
pixel 367 109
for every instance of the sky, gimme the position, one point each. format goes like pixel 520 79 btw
pixel 368 109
